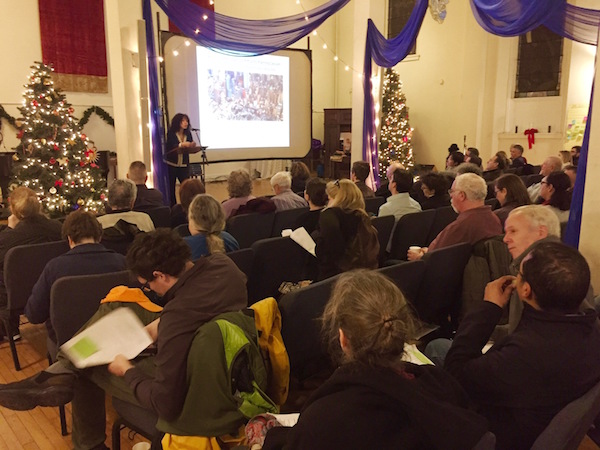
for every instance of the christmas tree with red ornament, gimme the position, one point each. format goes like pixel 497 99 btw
pixel 55 159
pixel 396 134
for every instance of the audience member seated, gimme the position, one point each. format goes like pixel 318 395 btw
pixel 399 203
pixel 26 225
pixel 435 189
pixel 346 239
pixel 86 257
pixel 359 173
pixel 475 160
pixel 556 193
pixel 239 188
pixel 388 403
pixel 550 164
pixel 317 198
pixel 571 172
pixel 565 157
pixel 187 191
pixel 300 174
pixel 383 190
pixel 551 358
pixel 475 221
pixel 510 193
pixel 145 197
pixel 575 153
pixel 194 294
pixel 516 156
pixel 471 152
pixel 495 167
pixel 121 197
pixel 454 160
pixel 284 197
pixel 207 224
pixel 469 168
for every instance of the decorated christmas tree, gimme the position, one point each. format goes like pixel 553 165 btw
pixel 54 158
pixel 395 141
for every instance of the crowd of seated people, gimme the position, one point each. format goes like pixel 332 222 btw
pixel 368 331
pixel 550 164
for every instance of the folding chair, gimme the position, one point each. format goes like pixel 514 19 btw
pixel 249 228
pixel 160 215
pixel 443 217
pixel 372 205
pixel 23 265
pixel 286 219
pixel 384 226
pixel 411 229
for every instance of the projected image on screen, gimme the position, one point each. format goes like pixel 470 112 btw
pixel 245 96
pixel 243 101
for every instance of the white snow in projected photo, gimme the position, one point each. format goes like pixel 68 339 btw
pixel 243 101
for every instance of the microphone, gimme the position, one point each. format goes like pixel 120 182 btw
pixel 195 129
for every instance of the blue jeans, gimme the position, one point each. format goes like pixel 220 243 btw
pixel 437 350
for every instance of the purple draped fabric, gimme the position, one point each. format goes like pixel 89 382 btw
pixel 159 167
pixel 385 53
pixel 250 37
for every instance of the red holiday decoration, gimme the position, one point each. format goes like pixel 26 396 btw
pixel 94 165
pixel 83 136
pixel 530 133
pixel 82 163
pixel 35 103
pixel 58 183
pixel 20 134
pixel 55 147
pixel 52 161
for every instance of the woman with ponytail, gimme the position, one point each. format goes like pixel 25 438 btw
pixel 375 399
pixel 206 220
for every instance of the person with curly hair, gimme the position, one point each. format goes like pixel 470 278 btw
pixel 239 187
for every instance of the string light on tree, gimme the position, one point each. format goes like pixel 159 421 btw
pixel 395 143
pixel 54 158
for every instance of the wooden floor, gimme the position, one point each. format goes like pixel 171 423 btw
pixel 39 429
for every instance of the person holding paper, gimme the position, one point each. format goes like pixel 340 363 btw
pixel 179 137
pixel 194 293
pixel 375 399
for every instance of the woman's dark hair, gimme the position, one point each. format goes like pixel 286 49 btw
pixel 561 197
pixel 373 314
pixel 81 225
pixel 163 250
pixel 457 157
pixel 436 182
pixel 176 122
pixel 315 190
pixel 516 192
pixel 188 190
pixel 453 148
pixel 299 171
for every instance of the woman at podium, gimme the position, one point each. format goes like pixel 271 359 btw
pixel 179 138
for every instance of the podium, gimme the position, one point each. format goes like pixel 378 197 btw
pixel 188 150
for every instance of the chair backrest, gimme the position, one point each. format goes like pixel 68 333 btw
pixel 440 290
pixel 74 300
pixel 407 276
pixel 160 215
pixel 286 219
pixel 443 217
pixel 300 327
pixel 569 426
pixel 23 265
pixel 182 230
pixel 411 229
pixel 249 228
pixel 372 205
pixel 244 259
pixel 276 260
pixel 531 179
pixel 384 226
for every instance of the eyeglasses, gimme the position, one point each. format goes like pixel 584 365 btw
pixel 452 191
pixel 146 286
pixel 337 183
pixel 521 274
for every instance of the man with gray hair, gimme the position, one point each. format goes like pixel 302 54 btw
pixel 284 197
pixel 550 164
pixel 475 221
pixel 121 197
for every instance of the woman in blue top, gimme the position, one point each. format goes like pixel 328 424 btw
pixel 206 223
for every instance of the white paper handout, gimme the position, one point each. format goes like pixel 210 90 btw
pixel 119 332
pixel 301 237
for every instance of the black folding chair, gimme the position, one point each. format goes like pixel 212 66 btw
pixel 276 260
pixel 384 226
pixel 407 276
pixel 286 219
pixel 372 205
pixel 244 259
pixel 23 265
pixel 443 217
pixel 160 215
pixel 411 229
pixel 249 228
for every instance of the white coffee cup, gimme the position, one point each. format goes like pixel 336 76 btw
pixel 141 446
pixel 415 248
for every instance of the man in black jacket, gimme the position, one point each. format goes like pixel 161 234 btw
pixel 550 359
